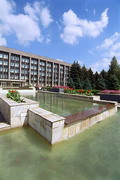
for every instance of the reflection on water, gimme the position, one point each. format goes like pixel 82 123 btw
pixel 60 105
pixel 92 155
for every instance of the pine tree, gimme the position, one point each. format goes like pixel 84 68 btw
pixel 74 77
pixel 87 84
pixel 114 74
pixel 91 78
pixel 113 83
pixel 96 76
pixel 71 83
pixel 105 77
pixel 101 83
pixel 113 66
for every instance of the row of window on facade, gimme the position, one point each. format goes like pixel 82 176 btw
pixel 14 66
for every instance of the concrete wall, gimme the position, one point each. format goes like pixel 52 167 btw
pixel 16 114
pixel 75 96
pixel 47 124
pixel 21 91
pixel 80 126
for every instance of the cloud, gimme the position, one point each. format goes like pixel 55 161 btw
pixel 3 41
pixel 37 11
pixel 48 39
pixel 99 65
pixel 25 26
pixel 74 27
pixel 109 41
pixel 108 48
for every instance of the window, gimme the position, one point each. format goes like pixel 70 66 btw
pixel 5 63
pixel 5 56
pixel 1 55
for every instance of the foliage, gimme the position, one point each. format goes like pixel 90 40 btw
pixel 83 78
pixel 113 82
pixel 101 83
pixel 113 66
pixel 80 91
pixel 15 96
pixel 87 84
pixel 110 92
pixel 74 77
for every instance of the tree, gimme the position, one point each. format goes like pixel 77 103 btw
pixel 105 77
pixel 87 84
pixel 78 84
pixel 71 83
pixel 84 73
pixel 113 83
pixel 101 83
pixel 91 78
pixel 74 78
pixel 114 74
pixel 96 76
pixel 113 66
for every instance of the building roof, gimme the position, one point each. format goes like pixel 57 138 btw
pixel 15 51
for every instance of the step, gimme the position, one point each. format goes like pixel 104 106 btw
pixel 4 126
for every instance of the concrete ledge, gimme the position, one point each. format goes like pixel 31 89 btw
pixel 16 114
pixel 47 124
pixel 83 124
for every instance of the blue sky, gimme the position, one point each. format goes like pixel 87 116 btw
pixel 84 30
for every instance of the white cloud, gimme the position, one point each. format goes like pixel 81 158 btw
pixel 25 26
pixel 99 65
pixel 74 27
pixel 48 39
pixel 45 17
pixel 108 48
pixel 3 41
pixel 38 11
pixel 109 41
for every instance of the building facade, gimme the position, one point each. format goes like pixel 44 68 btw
pixel 18 68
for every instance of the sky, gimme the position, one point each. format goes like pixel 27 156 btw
pixel 87 31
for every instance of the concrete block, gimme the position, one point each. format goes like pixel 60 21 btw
pixel 71 130
pixel 78 127
pixel 65 133
pixel 58 124
pixel 85 124
pixel 16 122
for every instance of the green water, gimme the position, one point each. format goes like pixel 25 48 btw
pixel 60 105
pixel 92 155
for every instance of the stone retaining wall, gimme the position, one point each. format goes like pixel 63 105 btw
pixel 80 126
pixel 75 96
pixel 47 124
pixel 16 114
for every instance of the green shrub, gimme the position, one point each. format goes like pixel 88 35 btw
pixel 95 92
pixel 15 96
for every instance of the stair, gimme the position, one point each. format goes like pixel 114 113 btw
pixel 3 124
